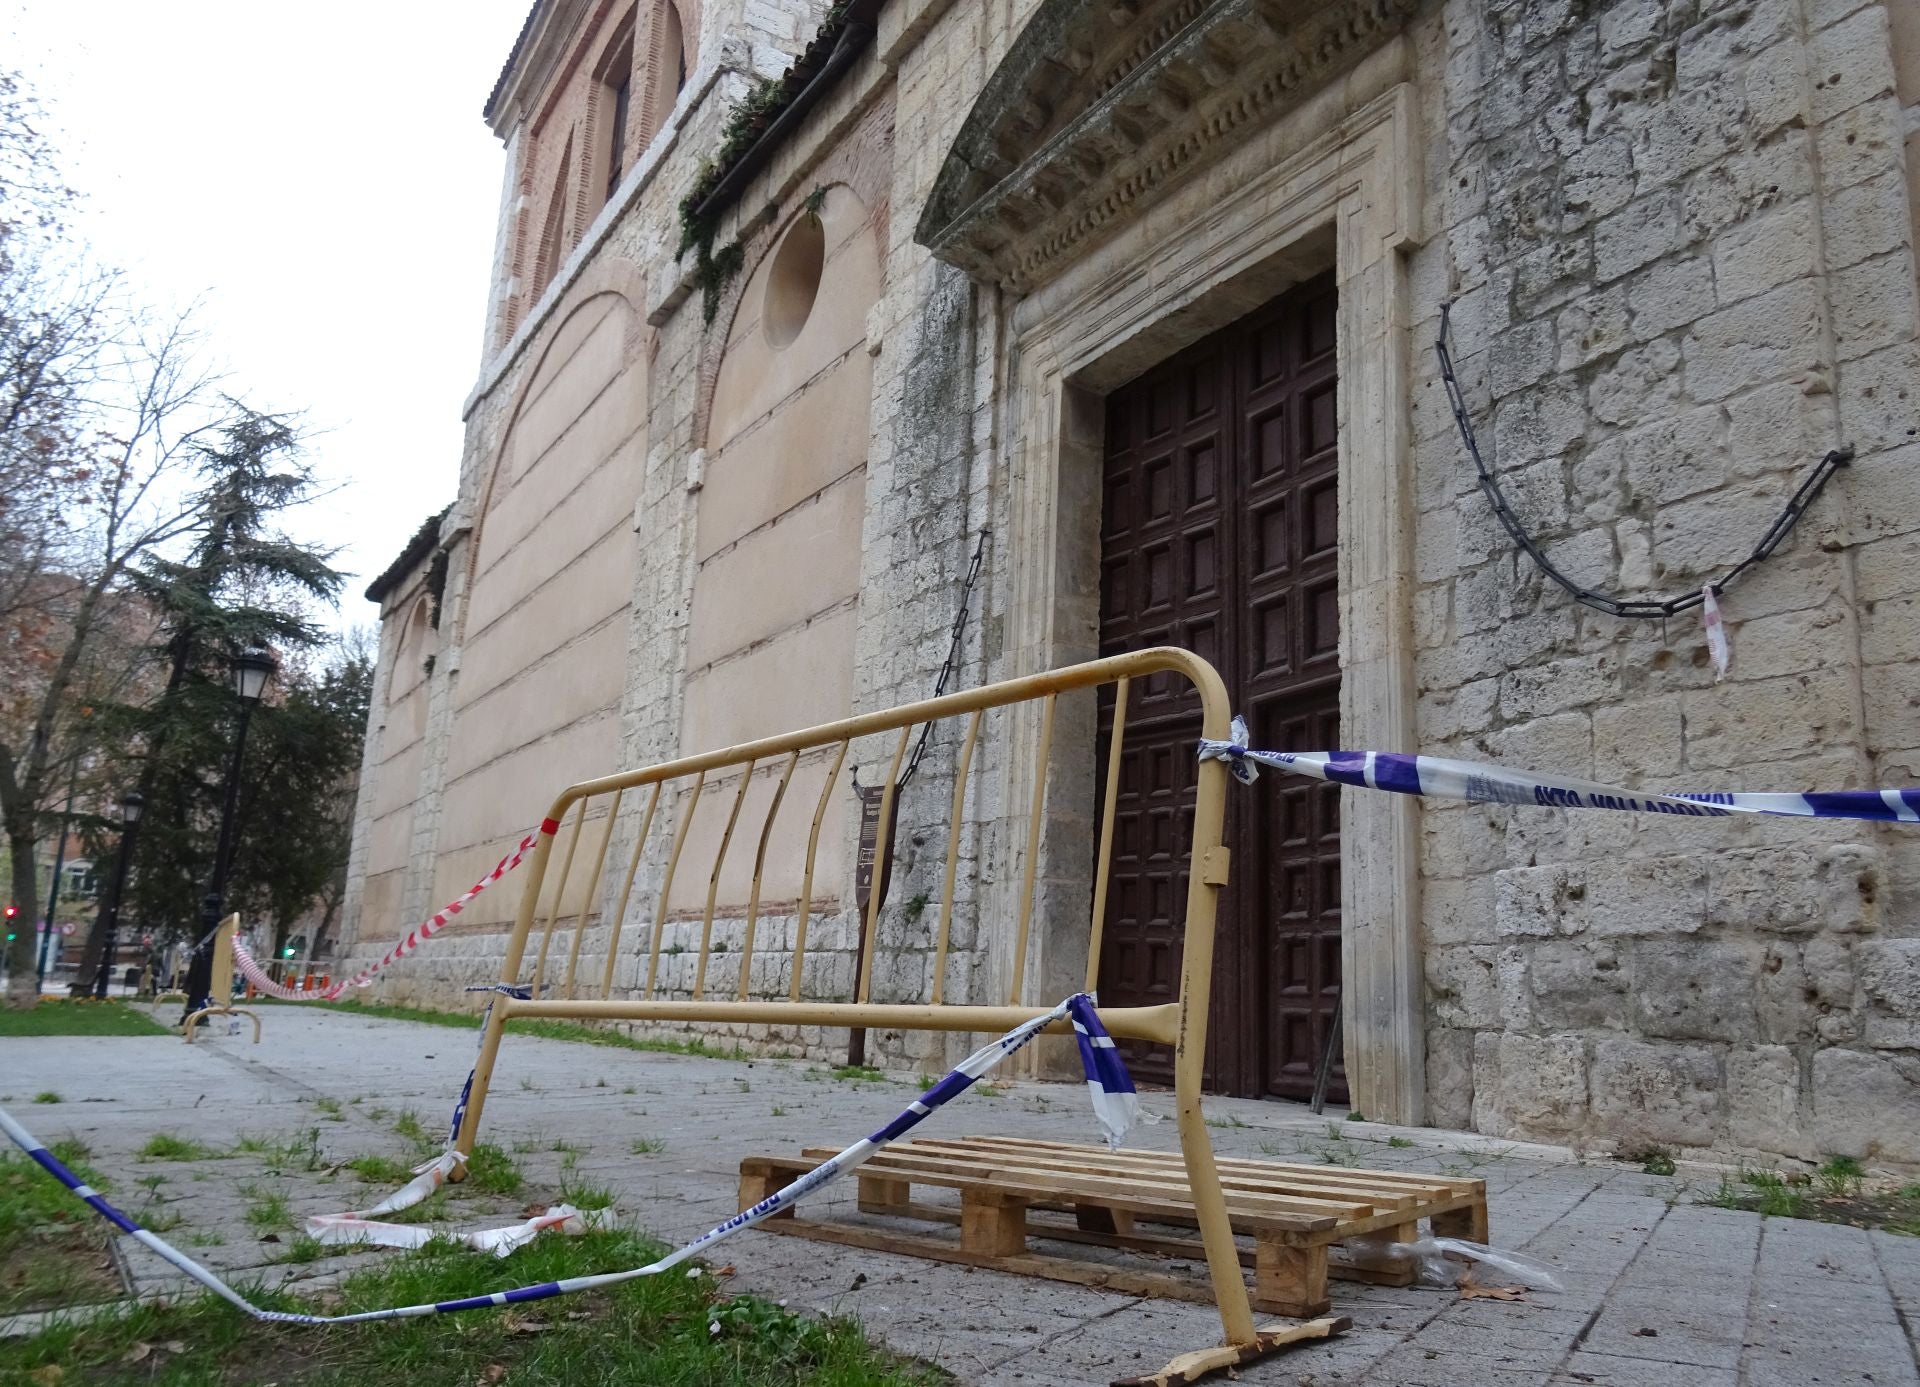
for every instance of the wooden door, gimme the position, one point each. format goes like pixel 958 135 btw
pixel 1218 533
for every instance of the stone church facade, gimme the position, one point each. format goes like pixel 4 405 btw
pixel 1147 292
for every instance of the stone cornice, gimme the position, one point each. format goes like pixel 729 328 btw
pixel 1082 127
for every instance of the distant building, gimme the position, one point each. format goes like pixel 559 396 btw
pixel 1149 290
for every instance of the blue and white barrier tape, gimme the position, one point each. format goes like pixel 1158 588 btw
pixel 1437 778
pixel 1114 1104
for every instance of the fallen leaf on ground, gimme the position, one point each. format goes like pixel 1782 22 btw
pixel 493 1372
pixel 1473 1290
pixel 514 1324
pixel 727 1270
pixel 137 1354
pixel 48 1375
pixel 175 1346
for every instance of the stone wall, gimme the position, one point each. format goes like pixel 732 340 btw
pixel 1680 244
pixel 1678 238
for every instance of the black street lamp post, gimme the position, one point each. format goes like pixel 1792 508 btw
pixel 251 669
pixel 131 804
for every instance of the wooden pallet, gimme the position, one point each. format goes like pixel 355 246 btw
pixel 1295 1216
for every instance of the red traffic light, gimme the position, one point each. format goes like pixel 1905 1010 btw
pixel 12 911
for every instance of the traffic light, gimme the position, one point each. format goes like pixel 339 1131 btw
pixel 287 952
pixel 12 911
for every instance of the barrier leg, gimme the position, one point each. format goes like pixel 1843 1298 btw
pixel 482 1075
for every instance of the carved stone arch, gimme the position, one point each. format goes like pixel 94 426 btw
pixel 1103 107
pixel 863 163
pixel 605 275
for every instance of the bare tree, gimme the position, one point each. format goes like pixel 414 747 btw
pixel 128 496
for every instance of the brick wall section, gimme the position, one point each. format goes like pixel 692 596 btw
pixel 1679 238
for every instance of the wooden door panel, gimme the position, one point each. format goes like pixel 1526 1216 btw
pixel 1219 533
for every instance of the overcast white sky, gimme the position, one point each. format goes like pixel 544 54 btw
pixel 320 176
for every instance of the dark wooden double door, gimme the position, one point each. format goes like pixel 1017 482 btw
pixel 1219 533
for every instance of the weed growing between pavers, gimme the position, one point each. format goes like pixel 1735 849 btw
pixel 1835 1192
pixel 77 1017
pixel 165 1146
pixel 660 1329
pixel 53 1249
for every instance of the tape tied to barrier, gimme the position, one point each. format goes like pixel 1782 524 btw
pixel 1115 1106
pixel 1435 777
pixel 251 970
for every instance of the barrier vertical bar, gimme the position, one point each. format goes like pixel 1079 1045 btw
pixel 713 883
pixel 806 880
pixel 1103 864
pixel 666 887
pixel 626 891
pixel 1033 848
pixel 759 868
pixel 559 896
pixel 880 867
pixel 593 878
pixel 953 853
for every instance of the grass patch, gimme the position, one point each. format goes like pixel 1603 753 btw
pixel 660 1329
pixel 164 1146
pixel 548 1030
pixel 653 1146
pixel 491 1171
pixel 1834 1193
pixel 304 1248
pixel 53 1248
pixel 267 1209
pixel 330 1108
pixel 48 1096
pixel 79 1018
pixel 380 1170
pixel 407 1124
pixel 863 1073
pixel 1400 1143
pixel 1654 1160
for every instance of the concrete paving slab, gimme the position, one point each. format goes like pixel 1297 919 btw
pixel 1728 1295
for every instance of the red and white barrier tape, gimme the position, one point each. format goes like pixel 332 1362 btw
pixel 251 970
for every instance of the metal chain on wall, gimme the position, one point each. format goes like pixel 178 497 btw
pixel 1654 609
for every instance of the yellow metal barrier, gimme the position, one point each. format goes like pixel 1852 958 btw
pixel 1181 1024
pixel 222 992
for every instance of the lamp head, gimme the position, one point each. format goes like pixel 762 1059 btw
pixel 251 669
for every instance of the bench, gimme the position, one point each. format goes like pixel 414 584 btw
pixel 665 801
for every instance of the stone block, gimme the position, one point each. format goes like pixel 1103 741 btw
pixel 1775 87
pixel 1645 896
pixel 1739 723
pixel 1765 253
pixel 1656 1094
pixel 1893 703
pixel 1577 985
pixel 1641 383
pixel 1521 356
pixel 1537 690
pixel 1543 1083
pixel 1870 218
pixel 1638 738
pixel 1890 976
pixel 1746 185
pixel 1890 626
pixel 1636 235
pixel 1860 143
pixel 1697 989
pixel 1449 1077
pixel 1560 745
pixel 1679 456
pixel 1866 1105
pixel 1796 891
pixel 1886 492
pixel 1540 901
pixel 1878 407
pixel 1461 987
pixel 1792 642
pixel 1671 293
pixel 1538 423
pixel 1851 62
pixel 1758 340
pixel 1873 305
pixel 1763 1100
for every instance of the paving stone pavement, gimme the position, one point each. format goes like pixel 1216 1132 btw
pixel 1658 1290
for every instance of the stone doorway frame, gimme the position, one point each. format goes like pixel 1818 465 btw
pixel 1335 182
